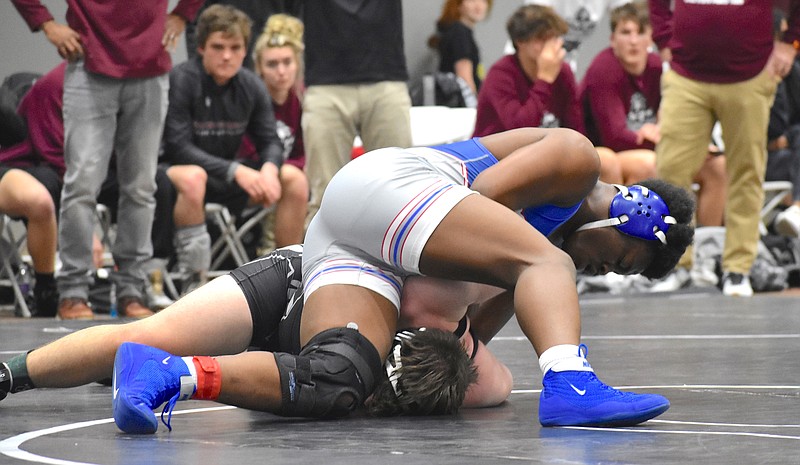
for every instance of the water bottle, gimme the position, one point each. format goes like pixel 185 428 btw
pixel 112 294
pixel 24 280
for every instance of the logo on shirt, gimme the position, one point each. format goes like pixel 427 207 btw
pixel 639 113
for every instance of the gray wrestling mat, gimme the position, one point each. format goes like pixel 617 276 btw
pixel 730 368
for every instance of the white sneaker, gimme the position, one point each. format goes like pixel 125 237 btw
pixel 703 273
pixel 736 285
pixel 676 279
pixel 787 222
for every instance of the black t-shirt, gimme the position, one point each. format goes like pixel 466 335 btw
pixel 351 42
pixel 457 42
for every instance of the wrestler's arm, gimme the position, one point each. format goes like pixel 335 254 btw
pixel 539 166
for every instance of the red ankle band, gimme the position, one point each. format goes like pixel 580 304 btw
pixel 209 378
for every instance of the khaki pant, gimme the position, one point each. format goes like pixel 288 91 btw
pixel 333 115
pixel 688 112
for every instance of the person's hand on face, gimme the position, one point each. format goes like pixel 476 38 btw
pixel 549 62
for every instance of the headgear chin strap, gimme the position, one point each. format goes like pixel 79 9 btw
pixel 394 360
pixel 637 212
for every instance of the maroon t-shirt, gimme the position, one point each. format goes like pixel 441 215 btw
pixel 290 132
pixel 120 38
pixel 722 41
pixel 616 104
pixel 509 100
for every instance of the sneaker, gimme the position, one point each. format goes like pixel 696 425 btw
pixel 144 378
pixel 736 285
pixel 72 308
pixel 578 398
pixel 133 307
pixel 676 279
pixel 787 222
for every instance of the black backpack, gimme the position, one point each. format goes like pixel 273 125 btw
pixel 12 127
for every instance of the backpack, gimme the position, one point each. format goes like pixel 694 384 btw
pixel 12 127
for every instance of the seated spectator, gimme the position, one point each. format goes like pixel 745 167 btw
pixel 30 182
pixel 454 39
pixel 278 57
pixel 534 87
pixel 620 95
pixel 783 148
pixel 213 103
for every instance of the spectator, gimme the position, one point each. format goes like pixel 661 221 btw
pixel 278 57
pixel 620 95
pixel 724 66
pixel 783 134
pixel 213 103
pixel 115 98
pixel 533 87
pixel 30 184
pixel 356 85
pixel 454 39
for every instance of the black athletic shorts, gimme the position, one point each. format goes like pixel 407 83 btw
pixel 273 288
pixel 44 174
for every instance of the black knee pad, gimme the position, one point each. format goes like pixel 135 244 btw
pixel 333 375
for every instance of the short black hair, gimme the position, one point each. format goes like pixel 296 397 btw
pixel 433 378
pixel 681 206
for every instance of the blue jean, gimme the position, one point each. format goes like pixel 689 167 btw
pixel 102 116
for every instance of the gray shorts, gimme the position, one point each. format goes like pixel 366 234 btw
pixel 376 216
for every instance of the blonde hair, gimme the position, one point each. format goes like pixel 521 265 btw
pixel 281 30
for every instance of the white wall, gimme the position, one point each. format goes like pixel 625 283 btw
pixel 21 50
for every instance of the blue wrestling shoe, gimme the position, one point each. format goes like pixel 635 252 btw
pixel 578 398
pixel 144 378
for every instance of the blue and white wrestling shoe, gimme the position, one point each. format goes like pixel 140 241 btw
pixel 578 398
pixel 144 378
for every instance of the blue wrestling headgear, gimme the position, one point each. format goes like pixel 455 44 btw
pixel 637 212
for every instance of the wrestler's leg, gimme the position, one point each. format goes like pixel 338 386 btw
pixel 481 240
pixel 214 319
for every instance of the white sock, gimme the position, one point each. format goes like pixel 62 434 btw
pixel 188 387
pixel 564 357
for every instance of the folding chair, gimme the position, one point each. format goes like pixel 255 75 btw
pixel 774 193
pixel 10 255
pixel 230 241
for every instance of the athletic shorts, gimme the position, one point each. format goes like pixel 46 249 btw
pixel 274 292
pixel 46 175
pixel 376 216
pixel 229 194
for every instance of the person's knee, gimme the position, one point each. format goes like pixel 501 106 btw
pixel 332 376
pixel 295 185
pixel 190 182
pixel 39 205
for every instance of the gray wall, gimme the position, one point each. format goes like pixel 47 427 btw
pixel 20 50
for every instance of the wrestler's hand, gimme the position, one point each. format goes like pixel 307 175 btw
pixel 66 39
